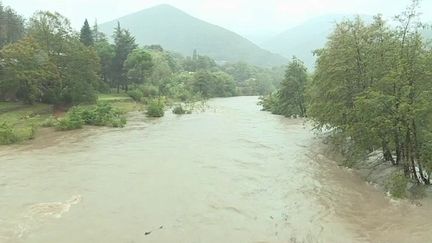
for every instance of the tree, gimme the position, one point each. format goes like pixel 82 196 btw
pixel 86 36
pixel 77 65
pixel 138 66
pixel 51 31
pixel 106 53
pixel 372 86
pixel 124 45
pixel 223 85
pixel 291 95
pixel 27 71
pixel 11 26
pixel 81 74
pixel 203 83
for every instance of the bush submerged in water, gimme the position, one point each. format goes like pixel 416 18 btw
pixel 101 115
pixel 178 110
pixel 181 110
pixel 156 108
pixel 73 120
pixel 397 185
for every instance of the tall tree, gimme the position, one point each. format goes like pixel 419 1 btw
pixel 124 45
pixel 77 65
pixel 11 26
pixel 86 36
pixel 291 95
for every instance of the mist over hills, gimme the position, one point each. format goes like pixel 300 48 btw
pixel 303 39
pixel 427 33
pixel 175 30
pixel 178 31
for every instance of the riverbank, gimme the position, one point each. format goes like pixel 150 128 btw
pixel 374 169
pixel 20 122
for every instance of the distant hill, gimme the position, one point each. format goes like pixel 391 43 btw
pixel 427 33
pixel 177 31
pixel 302 40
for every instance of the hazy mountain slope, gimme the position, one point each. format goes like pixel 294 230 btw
pixel 302 40
pixel 175 30
pixel 427 33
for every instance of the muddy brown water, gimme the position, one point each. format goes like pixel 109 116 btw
pixel 230 174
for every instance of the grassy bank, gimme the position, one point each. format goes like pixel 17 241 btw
pixel 19 122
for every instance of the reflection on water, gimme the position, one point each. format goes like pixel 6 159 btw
pixel 231 174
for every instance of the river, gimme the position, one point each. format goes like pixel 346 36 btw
pixel 229 174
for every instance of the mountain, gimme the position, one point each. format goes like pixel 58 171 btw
pixel 175 30
pixel 427 33
pixel 302 40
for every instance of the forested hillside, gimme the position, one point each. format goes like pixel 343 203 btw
pixel 177 31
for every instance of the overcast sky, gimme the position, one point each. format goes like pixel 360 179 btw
pixel 252 18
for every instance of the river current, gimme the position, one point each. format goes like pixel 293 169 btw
pixel 229 174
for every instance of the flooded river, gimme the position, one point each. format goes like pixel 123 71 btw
pixel 230 174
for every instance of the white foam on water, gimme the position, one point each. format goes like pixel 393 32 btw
pixel 53 209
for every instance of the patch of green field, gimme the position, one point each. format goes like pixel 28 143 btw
pixel 22 120
pixel 18 114
pixel 114 97
pixel 122 102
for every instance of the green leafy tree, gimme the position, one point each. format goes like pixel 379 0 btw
pixel 223 85
pixel 78 66
pixel 27 70
pixel 138 66
pixel 291 95
pixel 372 86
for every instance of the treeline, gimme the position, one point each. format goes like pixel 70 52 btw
pixel 44 60
pixel 372 87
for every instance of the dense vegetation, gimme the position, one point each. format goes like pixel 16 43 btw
pixel 289 100
pixel 371 89
pixel 44 61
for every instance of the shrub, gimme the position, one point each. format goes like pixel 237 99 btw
pixel 7 134
pixel 149 91
pixel 135 94
pixel 104 115
pixel 181 109
pixel 101 115
pixel 397 185
pixel 156 108
pixel 32 133
pixel 178 110
pixel 73 120
pixel 50 122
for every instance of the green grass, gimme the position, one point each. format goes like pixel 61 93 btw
pixel 18 114
pixel 23 119
pixel 122 102
pixel 114 97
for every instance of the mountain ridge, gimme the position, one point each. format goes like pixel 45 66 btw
pixel 176 30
